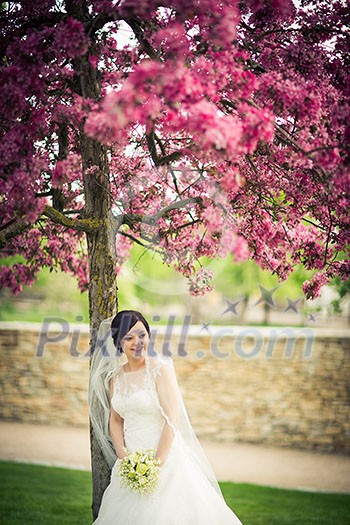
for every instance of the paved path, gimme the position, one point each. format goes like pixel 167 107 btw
pixel 277 467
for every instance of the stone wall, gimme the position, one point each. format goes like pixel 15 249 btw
pixel 283 387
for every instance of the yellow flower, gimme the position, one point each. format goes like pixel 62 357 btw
pixel 141 468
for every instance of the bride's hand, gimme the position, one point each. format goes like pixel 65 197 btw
pixel 160 460
pixel 123 454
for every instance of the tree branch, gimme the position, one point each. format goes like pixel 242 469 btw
pixel 18 227
pixel 151 139
pixel 100 21
pixel 251 163
pixel 130 220
pixel 167 159
pixel 134 239
pixel 12 232
pixel 151 145
pixel 138 32
pixel 174 206
pixel 85 225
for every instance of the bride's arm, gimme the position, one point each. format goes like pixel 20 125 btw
pixel 167 389
pixel 116 429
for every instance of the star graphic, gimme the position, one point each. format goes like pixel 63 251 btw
pixel 205 326
pixel 266 296
pixel 312 318
pixel 292 305
pixel 231 306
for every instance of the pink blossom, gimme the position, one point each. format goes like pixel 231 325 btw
pixel 93 60
pixel 213 219
pixel 312 289
pixel 240 249
pixel 200 283
pixel 172 40
pixel 66 170
pixel 15 276
pixel 223 25
pixel 230 180
pixel 220 128
pixel 71 38
pixel 123 248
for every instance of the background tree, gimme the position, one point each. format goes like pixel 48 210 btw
pixel 220 127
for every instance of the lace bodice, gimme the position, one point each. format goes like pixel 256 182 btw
pixel 136 400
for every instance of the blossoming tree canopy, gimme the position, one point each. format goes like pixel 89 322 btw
pixel 197 128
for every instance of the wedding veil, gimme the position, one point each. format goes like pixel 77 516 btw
pixel 106 363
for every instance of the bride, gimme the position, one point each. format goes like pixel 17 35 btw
pixel 135 403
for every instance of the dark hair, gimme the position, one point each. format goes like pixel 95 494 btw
pixel 123 322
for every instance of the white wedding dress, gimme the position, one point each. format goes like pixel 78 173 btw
pixel 184 495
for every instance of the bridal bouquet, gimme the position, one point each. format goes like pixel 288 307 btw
pixel 139 471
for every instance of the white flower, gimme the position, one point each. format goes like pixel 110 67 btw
pixel 139 471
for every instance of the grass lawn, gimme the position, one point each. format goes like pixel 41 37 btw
pixel 37 495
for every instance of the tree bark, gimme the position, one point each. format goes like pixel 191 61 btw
pixel 102 298
pixel 102 304
pixel 102 277
pixel 100 239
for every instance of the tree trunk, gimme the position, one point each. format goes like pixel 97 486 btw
pixel 102 286
pixel 102 304
pixel 101 242
pixel 102 277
